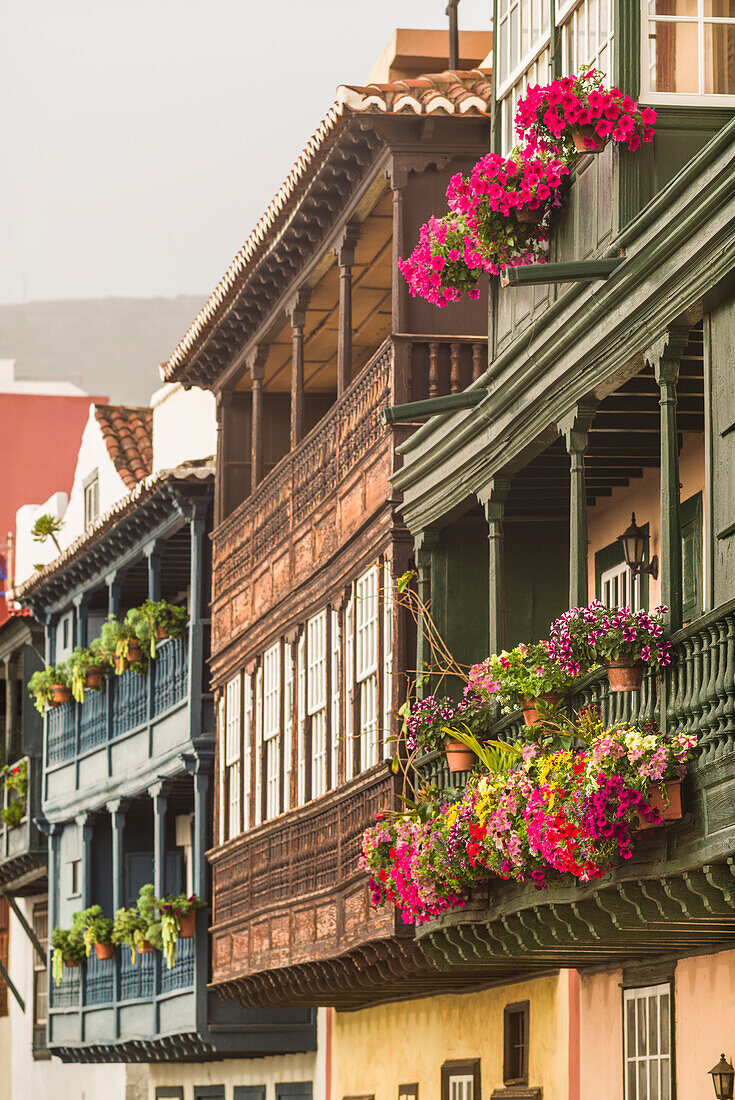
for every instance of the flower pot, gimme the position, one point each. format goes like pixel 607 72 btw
pixel 672 812
pixel 93 679
pixel 161 632
pixel 146 948
pixel 531 714
pixel 134 652
pixel 525 216
pixel 625 677
pixel 71 962
pixel 121 663
pixel 60 694
pixel 581 135
pixel 187 924
pixel 459 757
pixel 104 950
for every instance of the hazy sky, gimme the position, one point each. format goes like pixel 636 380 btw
pixel 140 140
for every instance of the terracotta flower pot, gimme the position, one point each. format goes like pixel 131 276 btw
pixel 459 757
pixel 104 950
pixel 187 924
pixel 93 679
pixel 134 652
pixel 625 677
pixel 161 632
pixel 71 962
pixel 583 134
pixel 530 710
pixel 60 694
pixel 146 948
pixel 121 663
pixel 525 216
pixel 670 812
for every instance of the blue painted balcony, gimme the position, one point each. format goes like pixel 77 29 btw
pixel 22 847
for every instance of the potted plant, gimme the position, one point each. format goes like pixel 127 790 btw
pixel 151 938
pixel 579 114
pixel 120 643
pixel 164 620
pixel 623 640
pixel 61 685
pixel 96 931
pixel 128 930
pixel 426 725
pixel 15 778
pixel 525 677
pixel 86 670
pixel 39 688
pixel 68 950
pixel 178 921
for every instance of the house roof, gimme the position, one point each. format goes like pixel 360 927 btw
pixel 449 93
pixel 128 435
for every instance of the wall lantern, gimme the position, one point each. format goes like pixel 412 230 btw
pixel 723 1078
pixel 635 541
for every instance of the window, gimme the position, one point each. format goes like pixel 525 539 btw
pixel 295 1090
pixel 461 1080
pixel 302 756
pixel 64 637
pixel 247 734
pixel 387 660
pixel 39 920
pixel 613 580
pixel 586 28
pixel 335 682
pixel 248 1092
pixel 272 729
pixel 349 723
pixel 288 717
pixel 209 1092
pixel 316 702
pixel 691 557
pixel 232 756
pixel 690 47
pixel 515 1043
pixel 647 1042
pixel 366 664
pixel 408 1092
pixel 91 489
pixel 522 56
pixel 75 877
pixel 258 791
pixel 170 1092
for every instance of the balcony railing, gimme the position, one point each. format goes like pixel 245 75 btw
pixel 21 844
pixel 123 703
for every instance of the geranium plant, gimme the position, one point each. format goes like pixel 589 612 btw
pixel 553 113
pixel 523 673
pixel 15 780
pixel 586 636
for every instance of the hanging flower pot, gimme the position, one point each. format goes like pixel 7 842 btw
pixel 625 677
pixel 530 709
pixel 60 694
pixel 587 140
pixel 135 653
pixel 121 663
pixel 104 950
pixel 668 805
pixel 459 757
pixel 71 962
pixel 93 679
pixel 161 632
pixel 146 947
pixel 526 216
pixel 187 925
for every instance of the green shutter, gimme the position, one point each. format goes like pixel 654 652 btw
pixel 691 557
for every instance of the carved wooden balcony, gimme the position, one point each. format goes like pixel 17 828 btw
pixel 678 889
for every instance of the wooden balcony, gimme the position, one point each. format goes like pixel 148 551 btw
pixel 677 891
pixel 22 846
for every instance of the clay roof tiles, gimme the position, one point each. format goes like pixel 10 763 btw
pixel 127 433
pixel 457 93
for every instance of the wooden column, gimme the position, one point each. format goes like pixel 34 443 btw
pixel 424 545
pixel 493 497
pixel 117 810
pixel 575 428
pixel 81 616
pixel 86 827
pixel 154 570
pixel 114 593
pixel 257 372
pixel 345 253
pixel 297 316
pixel 399 311
pixel 664 357
pixel 160 806
pixel 11 738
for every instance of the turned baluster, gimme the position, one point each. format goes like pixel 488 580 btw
pixel 433 369
pixel 687 709
pixel 674 692
pixel 728 710
pixel 703 729
pixel 719 715
pixel 477 363
pixel 710 715
pixel 455 381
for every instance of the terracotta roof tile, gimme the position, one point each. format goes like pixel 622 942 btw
pixel 127 433
pixel 457 93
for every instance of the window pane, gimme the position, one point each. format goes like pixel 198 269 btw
pixel 642 1081
pixel 719 53
pixel 631 1029
pixel 653 1080
pixel 665 1079
pixel 720 9
pixel 664 1018
pixel 673 7
pixel 642 1044
pixel 631 1093
pixel 674 50
pixel 653 1047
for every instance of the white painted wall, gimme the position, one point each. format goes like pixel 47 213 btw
pixel 49 1079
pixel 248 1071
pixel 6 1052
pixel 184 425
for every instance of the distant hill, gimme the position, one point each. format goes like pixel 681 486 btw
pixel 105 345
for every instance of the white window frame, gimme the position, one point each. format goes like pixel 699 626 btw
pixel 258 748
pixel 288 702
pixel 232 758
pixel 221 830
pixel 517 80
pixel 301 753
pixel 272 729
pixel 367 613
pixel 388 603
pixel 336 700
pixel 62 651
pixel 349 680
pixel 247 737
pixel 461 1086
pixel 566 14
pixel 632 585
pixel 91 498
pixel 661 1060
pixel 316 699
pixel 695 99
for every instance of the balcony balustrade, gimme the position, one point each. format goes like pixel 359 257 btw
pixel 22 847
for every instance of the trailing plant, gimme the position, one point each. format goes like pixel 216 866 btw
pixel 169 618
pixel 80 664
pixel 67 943
pixel 525 672
pixel 94 925
pixel 586 636
pixel 42 682
pixel 47 527
pixel 172 908
pixel 549 113
pixel 148 909
pixel 15 779
pixel 128 930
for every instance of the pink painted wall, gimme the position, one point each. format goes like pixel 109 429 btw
pixel 704 1008
pixel 601 1037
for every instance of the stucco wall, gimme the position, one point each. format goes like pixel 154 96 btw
pixel 184 425
pixel 252 1071
pixel 601 1037
pixel 376 1049
pixel 611 515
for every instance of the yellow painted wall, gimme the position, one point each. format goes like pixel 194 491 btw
pixel 611 515
pixel 376 1049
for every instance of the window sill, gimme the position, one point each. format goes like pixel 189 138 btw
pixel 517 1092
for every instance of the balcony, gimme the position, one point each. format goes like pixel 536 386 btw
pixel 132 719
pixel 22 847
pixel 677 889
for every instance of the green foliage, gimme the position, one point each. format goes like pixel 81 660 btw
pixel 43 680
pixel 81 662
pixel 525 672
pixel 160 614
pixel 496 757
pixel 94 926
pixel 47 527
pixel 67 944
pixel 15 778
pixel 172 908
pixel 127 930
